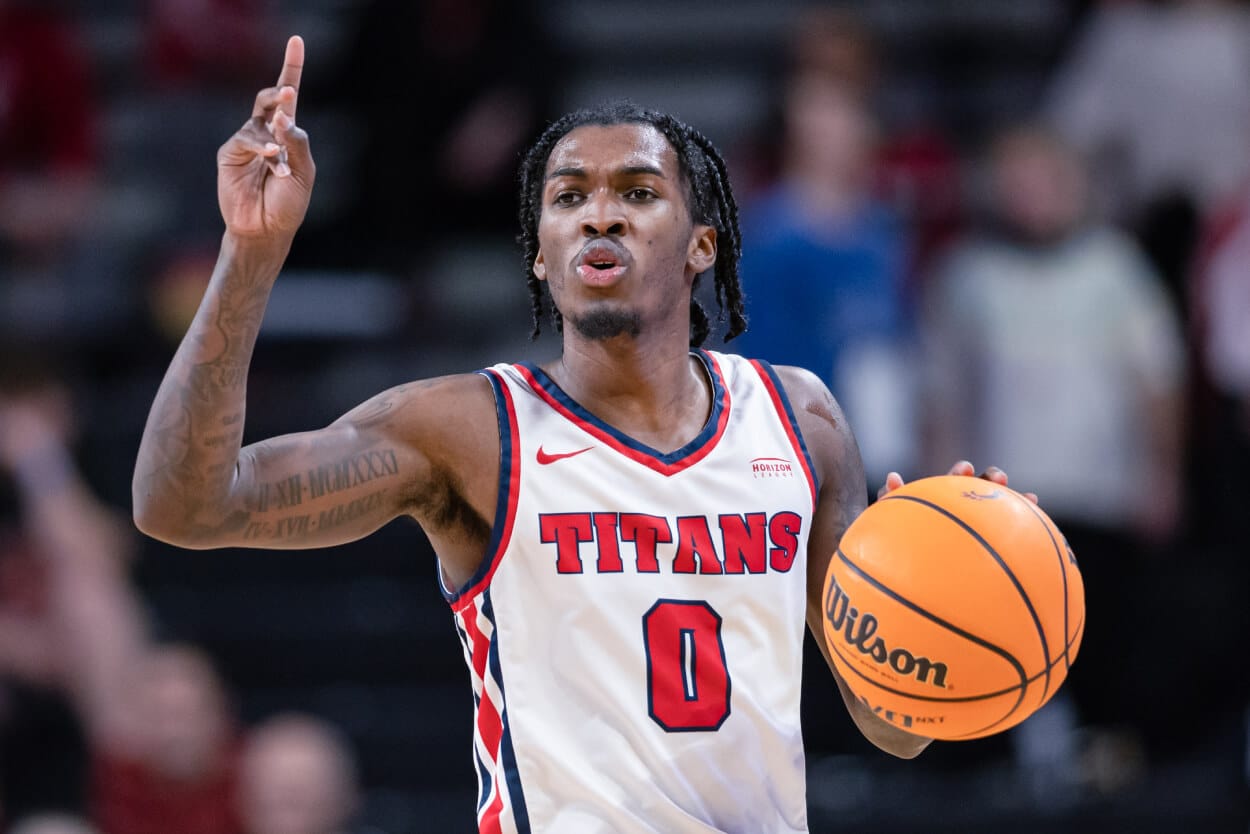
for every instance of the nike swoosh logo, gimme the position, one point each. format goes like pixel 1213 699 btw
pixel 545 458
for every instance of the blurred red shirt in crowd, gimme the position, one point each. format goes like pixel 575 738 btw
pixel 47 118
pixel 205 42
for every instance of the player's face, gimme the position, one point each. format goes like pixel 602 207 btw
pixel 617 245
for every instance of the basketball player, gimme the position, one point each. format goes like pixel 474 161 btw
pixel 630 536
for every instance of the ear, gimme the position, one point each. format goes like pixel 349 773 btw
pixel 540 268
pixel 702 253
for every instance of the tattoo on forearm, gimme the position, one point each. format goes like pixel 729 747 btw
pixel 170 433
pixel 216 440
pixel 230 376
pixel 242 308
pixel 182 457
pixel 220 469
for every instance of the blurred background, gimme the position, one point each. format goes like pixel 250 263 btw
pixel 1017 232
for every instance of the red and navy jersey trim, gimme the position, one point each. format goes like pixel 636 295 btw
pixel 777 392
pixel 512 775
pixel 493 752
pixel 505 504
pixel 665 463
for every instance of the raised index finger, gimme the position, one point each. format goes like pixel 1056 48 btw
pixel 292 68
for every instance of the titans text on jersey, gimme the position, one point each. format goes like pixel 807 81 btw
pixel 745 543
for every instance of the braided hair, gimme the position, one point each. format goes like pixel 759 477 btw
pixel 710 198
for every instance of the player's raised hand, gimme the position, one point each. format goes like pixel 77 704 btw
pixel 265 171
pixel 894 480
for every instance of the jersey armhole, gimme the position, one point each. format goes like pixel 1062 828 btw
pixel 505 503
pixel 781 402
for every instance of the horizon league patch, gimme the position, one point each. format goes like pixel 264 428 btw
pixel 770 467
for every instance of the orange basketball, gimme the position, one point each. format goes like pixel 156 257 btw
pixel 954 607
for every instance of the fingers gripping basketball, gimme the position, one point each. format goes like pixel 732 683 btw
pixel 953 607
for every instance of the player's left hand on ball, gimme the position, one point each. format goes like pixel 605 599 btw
pixel 992 473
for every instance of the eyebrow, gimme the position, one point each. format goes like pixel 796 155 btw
pixel 628 170
pixel 643 169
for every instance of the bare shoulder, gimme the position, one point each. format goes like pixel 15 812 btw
pixel 828 435
pixel 447 419
pixel 424 401
pixel 446 436
pixel 819 416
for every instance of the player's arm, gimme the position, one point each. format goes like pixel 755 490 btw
pixel 193 484
pixel 843 496
pixel 309 489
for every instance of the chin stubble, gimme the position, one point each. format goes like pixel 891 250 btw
pixel 599 325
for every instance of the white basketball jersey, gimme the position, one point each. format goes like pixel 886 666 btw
pixel 635 633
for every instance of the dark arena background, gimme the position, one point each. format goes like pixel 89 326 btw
pixel 1017 232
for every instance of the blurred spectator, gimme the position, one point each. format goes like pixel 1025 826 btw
pixel 48 151
pixel 1155 94
pixel 1139 81
pixel 298 776
pixel 43 758
pixel 919 176
pixel 1220 442
pixel 916 168
pixel 48 162
pixel 1221 306
pixel 447 93
pixel 1054 352
pixel 1224 305
pixel 174 768
pixel 161 742
pixel 824 269
pixel 838 45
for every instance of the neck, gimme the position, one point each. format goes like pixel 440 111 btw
pixel 646 367
pixel 647 386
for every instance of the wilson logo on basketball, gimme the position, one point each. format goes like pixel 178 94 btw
pixel 859 629
pixel 771 468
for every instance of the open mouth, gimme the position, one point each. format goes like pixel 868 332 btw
pixel 602 262
pixel 602 256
